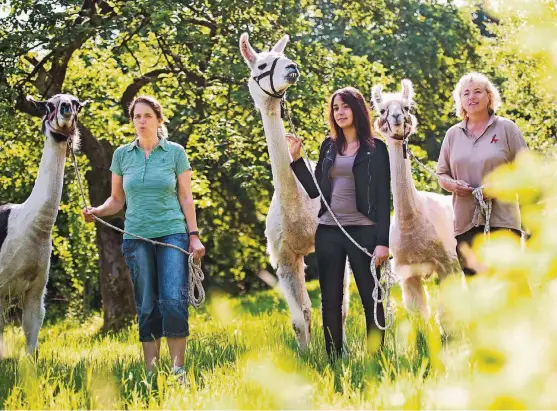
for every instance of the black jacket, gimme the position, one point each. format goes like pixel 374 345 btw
pixel 372 177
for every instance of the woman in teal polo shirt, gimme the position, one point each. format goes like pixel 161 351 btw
pixel 153 177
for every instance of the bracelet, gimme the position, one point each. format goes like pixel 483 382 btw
pixel 193 233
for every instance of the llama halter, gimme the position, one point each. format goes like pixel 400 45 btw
pixel 270 73
pixel 388 276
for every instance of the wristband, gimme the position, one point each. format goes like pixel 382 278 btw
pixel 193 233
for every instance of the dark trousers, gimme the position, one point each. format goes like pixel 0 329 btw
pixel 331 249
pixel 468 238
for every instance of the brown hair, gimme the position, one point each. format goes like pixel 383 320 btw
pixel 360 114
pixel 157 108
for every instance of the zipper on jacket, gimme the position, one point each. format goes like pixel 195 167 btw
pixel 368 184
pixel 323 165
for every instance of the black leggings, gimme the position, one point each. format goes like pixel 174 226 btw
pixel 331 249
pixel 468 237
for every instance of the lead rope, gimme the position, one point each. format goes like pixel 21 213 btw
pixel 196 275
pixel 482 206
pixel 388 277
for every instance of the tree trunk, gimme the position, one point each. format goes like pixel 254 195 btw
pixel 115 282
pixel 114 279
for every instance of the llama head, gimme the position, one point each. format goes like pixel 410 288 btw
pixel 271 73
pixel 393 109
pixel 60 117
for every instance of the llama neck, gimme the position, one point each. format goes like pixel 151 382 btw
pixel 42 205
pixel 405 195
pixel 283 178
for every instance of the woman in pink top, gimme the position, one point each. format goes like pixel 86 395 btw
pixel 471 150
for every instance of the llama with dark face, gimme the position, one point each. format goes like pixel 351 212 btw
pixel 25 229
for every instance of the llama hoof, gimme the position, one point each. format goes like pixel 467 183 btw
pixel 307 317
pixel 302 337
pixel 33 354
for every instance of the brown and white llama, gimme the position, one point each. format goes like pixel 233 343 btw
pixel 421 235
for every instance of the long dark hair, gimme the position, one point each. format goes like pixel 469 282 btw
pixel 360 114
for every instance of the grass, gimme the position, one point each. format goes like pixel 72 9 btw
pixel 242 353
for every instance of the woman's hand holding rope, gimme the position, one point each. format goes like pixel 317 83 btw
pixel 196 248
pixel 381 254
pixel 295 144
pixel 89 213
pixel 461 188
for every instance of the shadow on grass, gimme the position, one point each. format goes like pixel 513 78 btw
pixel 273 301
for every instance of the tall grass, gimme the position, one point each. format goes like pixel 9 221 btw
pixel 242 353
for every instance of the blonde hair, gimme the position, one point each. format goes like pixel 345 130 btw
pixel 492 92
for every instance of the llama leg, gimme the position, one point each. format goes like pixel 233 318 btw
pixel 414 296
pixel 293 287
pixel 452 268
pixel 33 315
pixel 306 301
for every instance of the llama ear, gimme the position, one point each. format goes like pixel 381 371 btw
pixel 281 44
pixel 376 96
pixel 407 89
pixel 247 51
pixel 78 105
pixel 41 106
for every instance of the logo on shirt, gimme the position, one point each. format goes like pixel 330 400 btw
pixel 494 139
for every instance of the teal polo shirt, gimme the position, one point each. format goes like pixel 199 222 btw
pixel 153 209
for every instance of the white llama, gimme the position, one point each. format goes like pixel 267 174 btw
pixel 25 229
pixel 421 235
pixel 292 218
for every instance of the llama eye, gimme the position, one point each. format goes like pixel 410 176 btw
pixel 382 111
pixel 406 108
pixel 262 66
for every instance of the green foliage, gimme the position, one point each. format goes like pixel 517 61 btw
pixel 519 59
pixel 186 54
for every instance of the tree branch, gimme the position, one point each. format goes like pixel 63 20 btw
pixel 124 42
pixel 25 106
pixel 132 90
pixel 197 22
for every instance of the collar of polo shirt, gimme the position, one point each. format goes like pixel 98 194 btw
pixel 464 123
pixel 163 143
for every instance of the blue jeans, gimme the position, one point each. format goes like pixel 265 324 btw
pixel 160 282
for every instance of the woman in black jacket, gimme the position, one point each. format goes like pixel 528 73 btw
pixel 353 173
